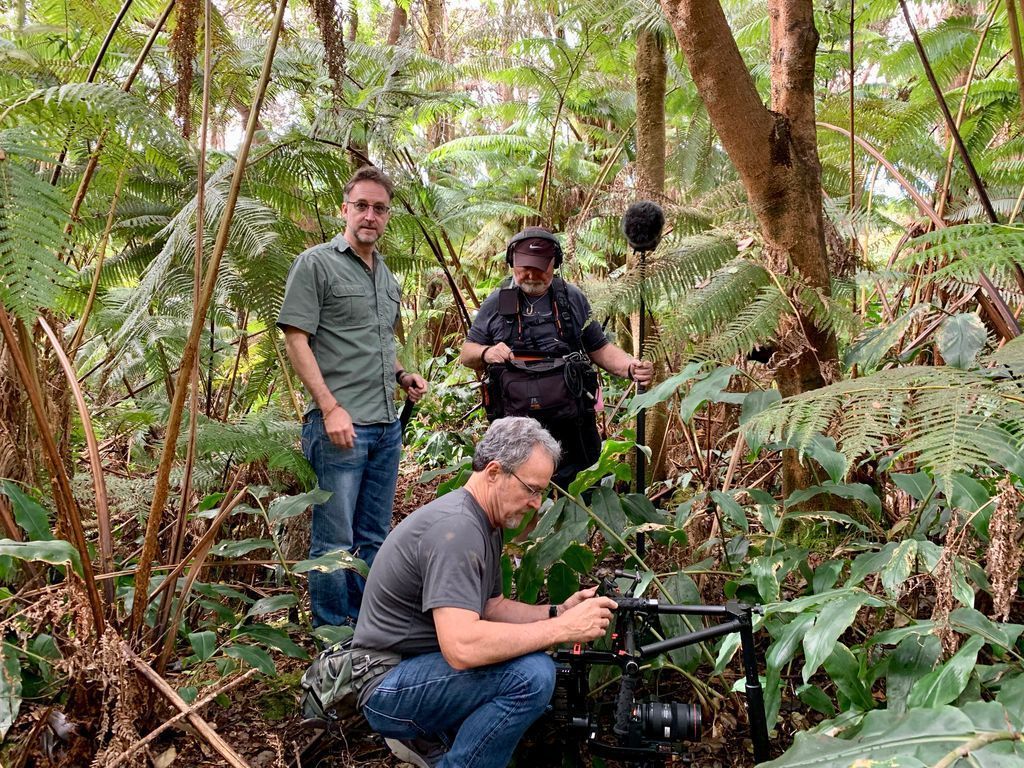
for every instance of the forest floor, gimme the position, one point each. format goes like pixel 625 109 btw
pixel 260 717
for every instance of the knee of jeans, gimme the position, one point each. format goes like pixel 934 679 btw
pixel 536 673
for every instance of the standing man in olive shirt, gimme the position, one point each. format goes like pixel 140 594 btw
pixel 341 306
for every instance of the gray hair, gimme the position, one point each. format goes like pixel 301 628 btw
pixel 511 440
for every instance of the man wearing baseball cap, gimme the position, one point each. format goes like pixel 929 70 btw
pixel 536 339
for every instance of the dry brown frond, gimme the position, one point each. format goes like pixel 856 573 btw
pixel 1003 561
pixel 943 576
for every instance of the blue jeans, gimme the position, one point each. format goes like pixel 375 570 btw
pixel 357 517
pixel 481 714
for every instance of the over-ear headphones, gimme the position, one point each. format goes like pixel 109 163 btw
pixel 531 233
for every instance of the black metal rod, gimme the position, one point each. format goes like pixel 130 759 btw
pixel 691 638
pixel 641 417
pixel 755 694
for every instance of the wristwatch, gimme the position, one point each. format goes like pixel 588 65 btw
pixel 552 611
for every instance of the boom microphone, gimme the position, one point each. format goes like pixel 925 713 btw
pixel 641 224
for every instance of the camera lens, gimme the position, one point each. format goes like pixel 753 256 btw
pixel 669 721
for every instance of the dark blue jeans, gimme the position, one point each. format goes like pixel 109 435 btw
pixel 481 714
pixel 357 517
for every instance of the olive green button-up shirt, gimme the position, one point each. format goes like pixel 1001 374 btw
pixel 350 313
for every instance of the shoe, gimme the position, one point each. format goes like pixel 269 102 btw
pixel 423 752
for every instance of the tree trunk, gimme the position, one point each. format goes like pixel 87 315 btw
pixel 775 152
pixel 399 18
pixel 437 47
pixel 651 69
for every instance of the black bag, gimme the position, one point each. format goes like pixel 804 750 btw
pixel 545 389
pixel 333 685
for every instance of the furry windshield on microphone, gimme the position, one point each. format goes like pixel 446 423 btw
pixel 642 223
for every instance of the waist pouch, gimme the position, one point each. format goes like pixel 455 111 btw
pixel 545 389
pixel 334 683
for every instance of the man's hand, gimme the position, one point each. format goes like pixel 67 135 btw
pixel 589 619
pixel 643 372
pixel 573 600
pixel 338 425
pixel 414 385
pixel 499 353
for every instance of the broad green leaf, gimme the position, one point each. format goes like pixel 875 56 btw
pixel 204 644
pixel 726 650
pixel 682 591
pixel 664 390
pixel 900 567
pixel 54 552
pixel 826 575
pixel 10 688
pixel 289 506
pixel 239 548
pixel 271 604
pixel 757 401
pixel 857 491
pixel 711 388
pixel 869 563
pixel 579 558
pixel 918 485
pixel 816 699
pixel 968 494
pixel 608 509
pixel 811 601
pixel 960 340
pixel 731 509
pixel 331 635
pixel 834 619
pixel 272 637
pixel 765 571
pixel 823 450
pixel 254 657
pixel 188 693
pixel 844 669
pixel 332 561
pixel 1011 694
pixel 28 513
pixel 918 737
pixel 824 514
pixel 562 582
pixel 973 622
pixel 944 684
pixel 912 659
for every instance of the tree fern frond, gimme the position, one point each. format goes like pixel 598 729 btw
pixel 755 324
pixel 949 420
pixel 32 218
pixel 704 309
pixel 674 269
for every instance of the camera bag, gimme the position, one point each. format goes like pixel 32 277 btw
pixel 334 683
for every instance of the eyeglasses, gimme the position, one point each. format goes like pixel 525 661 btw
pixel 538 492
pixel 362 206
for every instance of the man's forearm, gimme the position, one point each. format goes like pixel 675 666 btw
pixel 514 612
pixel 484 641
pixel 471 355
pixel 301 356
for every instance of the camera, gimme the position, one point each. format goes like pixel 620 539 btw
pixel 646 732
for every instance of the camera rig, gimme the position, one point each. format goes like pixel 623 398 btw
pixel 647 733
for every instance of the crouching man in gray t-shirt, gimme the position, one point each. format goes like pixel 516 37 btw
pixel 473 675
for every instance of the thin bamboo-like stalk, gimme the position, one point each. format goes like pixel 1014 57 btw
pixel 207 699
pixel 201 726
pixel 96 466
pixel 185 502
pixel 198 558
pixel 190 351
pixel 62 493
pixel 101 252
pixel 1018 55
pixel 951 151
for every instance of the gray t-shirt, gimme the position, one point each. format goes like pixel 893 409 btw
pixel 350 313
pixel 446 554
pixel 534 328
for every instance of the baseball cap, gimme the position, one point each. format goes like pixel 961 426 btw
pixel 534 247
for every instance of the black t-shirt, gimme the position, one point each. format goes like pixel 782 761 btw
pixel 534 326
